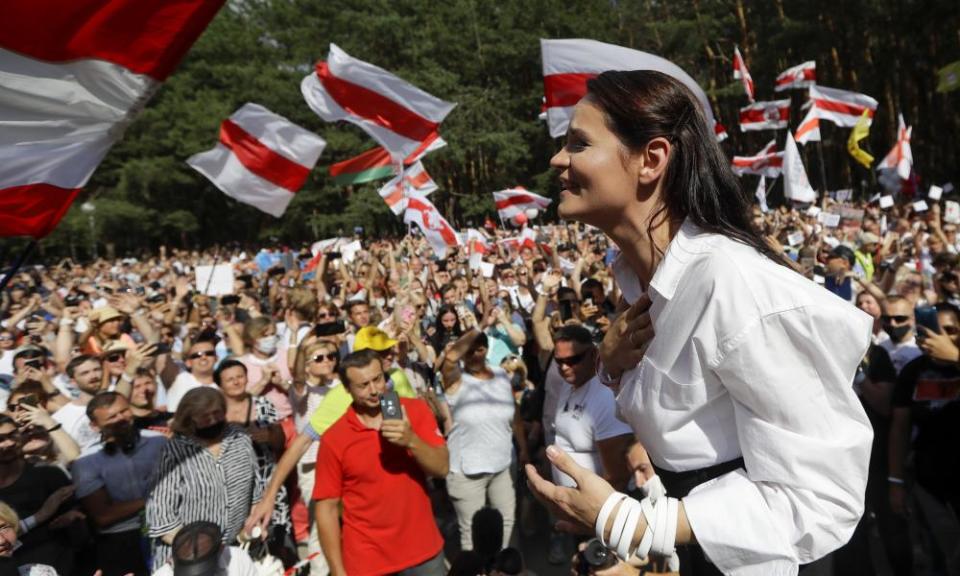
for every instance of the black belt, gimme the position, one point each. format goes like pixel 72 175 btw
pixel 679 484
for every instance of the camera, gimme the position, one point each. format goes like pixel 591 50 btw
pixel 330 328
pixel 390 406
pixel 594 557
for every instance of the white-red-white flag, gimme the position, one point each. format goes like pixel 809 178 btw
pixel 478 245
pixel 394 112
pixel 526 239
pixel 720 131
pixel 767 162
pixel 809 128
pixel 799 76
pixel 761 194
pixel 517 200
pixel 842 107
pixel 796 185
pixel 416 182
pixel 773 115
pixel 569 63
pixel 438 232
pixel 74 74
pixel 741 73
pixel 900 157
pixel 262 159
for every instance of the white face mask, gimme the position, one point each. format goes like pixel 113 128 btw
pixel 267 344
pixel 653 489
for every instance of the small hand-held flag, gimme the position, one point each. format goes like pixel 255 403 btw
pixel 741 73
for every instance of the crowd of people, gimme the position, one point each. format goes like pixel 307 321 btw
pixel 367 412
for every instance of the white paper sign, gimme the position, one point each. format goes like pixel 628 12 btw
pixel 843 195
pixel 935 192
pixel 883 223
pixel 349 251
pixel 886 202
pixel 486 268
pixel 920 206
pixel 813 211
pixel 795 238
pixel 829 220
pixel 951 212
pixel 220 283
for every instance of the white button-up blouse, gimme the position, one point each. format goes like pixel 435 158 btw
pixel 751 359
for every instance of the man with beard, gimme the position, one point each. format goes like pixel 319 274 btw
pixel 86 375
pixel 898 323
pixel 113 481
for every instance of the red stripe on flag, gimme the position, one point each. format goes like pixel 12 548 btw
pixel 753 116
pixel 842 107
pixel 261 160
pixel 34 209
pixel 564 90
pixel 373 158
pixel 145 36
pixel 518 199
pixel 449 236
pixel 375 107
pixel 419 180
pixel 395 196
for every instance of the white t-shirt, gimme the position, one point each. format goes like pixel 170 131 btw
pixel 553 385
pixel 184 383
pixel 482 410
pixel 74 419
pixel 585 416
pixel 233 562
pixel 901 353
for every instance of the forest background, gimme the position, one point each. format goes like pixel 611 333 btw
pixel 485 55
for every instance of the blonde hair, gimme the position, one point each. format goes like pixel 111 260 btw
pixel 9 516
pixel 254 328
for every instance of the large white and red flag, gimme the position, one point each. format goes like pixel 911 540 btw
pixel 768 162
pixel 569 63
pixel 517 200
pixel 773 115
pixel 900 157
pixel 438 232
pixel 741 73
pixel 416 182
pixel 842 107
pixel 74 74
pixel 799 76
pixel 262 159
pixel 809 128
pixel 397 114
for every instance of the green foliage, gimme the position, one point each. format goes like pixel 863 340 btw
pixel 485 56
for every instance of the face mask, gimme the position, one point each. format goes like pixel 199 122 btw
pixel 211 432
pixel 516 380
pixel 897 333
pixel 121 436
pixel 267 344
pixel 653 489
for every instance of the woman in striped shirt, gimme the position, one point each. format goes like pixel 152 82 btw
pixel 206 472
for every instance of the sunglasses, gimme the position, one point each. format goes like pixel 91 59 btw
pixel 325 315
pixel 571 361
pixel 321 357
pixel 114 357
pixel 897 319
pixel 198 355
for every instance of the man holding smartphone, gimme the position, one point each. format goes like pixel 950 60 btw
pixel 388 524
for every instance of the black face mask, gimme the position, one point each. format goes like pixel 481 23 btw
pixel 211 432
pixel 121 436
pixel 897 333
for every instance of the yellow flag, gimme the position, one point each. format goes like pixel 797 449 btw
pixel 859 132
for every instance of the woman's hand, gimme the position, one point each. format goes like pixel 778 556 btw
pixel 938 345
pixel 577 507
pixel 35 416
pixel 627 339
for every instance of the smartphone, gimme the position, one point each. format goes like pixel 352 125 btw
pixel 33 363
pixel 334 255
pixel 156 299
pixel 160 348
pixel 927 317
pixel 390 406
pixel 29 399
pixel 71 300
pixel 330 328
pixel 566 310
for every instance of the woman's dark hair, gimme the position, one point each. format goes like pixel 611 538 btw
pixel 699 184
pixel 226 365
pixel 441 335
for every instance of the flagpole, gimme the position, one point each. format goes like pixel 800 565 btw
pixel 823 170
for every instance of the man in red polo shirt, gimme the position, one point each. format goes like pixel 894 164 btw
pixel 378 469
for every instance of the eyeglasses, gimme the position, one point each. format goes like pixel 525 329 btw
pixel 114 357
pixel 572 360
pixel 896 318
pixel 321 357
pixel 207 353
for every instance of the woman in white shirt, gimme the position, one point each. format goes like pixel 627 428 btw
pixel 733 370
pixel 484 417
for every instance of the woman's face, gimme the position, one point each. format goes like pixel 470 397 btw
pixel 111 327
pixel 599 182
pixel 322 362
pixel 233 382
pixel 6 340
pixel 8 539
pixel 448 320
pixel 869 304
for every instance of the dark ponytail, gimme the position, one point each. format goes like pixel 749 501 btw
pixel 698 184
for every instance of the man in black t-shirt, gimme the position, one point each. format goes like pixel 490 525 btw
pixel 927 397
